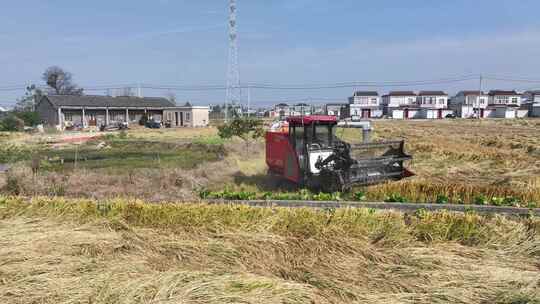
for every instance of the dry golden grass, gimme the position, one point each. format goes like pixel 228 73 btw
pixel 481 152
pixel 58 251
pixel 464 158
pixel 172 134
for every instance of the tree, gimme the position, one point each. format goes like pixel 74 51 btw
pixel 216 109
pixel 171 96
pixel 26 106
pixel 28 102
pixel 245 128
pixel 60 82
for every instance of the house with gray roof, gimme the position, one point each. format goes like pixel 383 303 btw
pixel 400 105
pixel 364 104
pixel 506 104
pixel 91 110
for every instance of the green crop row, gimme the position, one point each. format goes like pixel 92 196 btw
pixel 306 195
pixel 302 195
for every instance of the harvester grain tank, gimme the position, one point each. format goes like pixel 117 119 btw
pixel 309 154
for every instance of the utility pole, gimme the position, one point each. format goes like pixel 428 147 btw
pixel 233 73
pixel 479 96
pixel 248 99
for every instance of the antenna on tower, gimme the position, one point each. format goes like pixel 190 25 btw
pixel 233 74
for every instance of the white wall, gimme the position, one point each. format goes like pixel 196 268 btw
pixel 490 113
pixel 376 113
pixel 396 114
pixel 504 100
pixel 464 111
pixel 437 102
pixel 428 114
pixel 396 101
pixel 434 113
pixel 372 101
pixel 504 112
pixel 480 102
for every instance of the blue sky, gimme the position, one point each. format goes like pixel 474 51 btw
pixel 176 42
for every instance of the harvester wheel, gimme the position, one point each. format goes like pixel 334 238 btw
pixel 331 181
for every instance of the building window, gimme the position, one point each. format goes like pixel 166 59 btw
pixel 68 116
pixel 514 100
pixel 441 101
pixel 188 116
pixel 502 99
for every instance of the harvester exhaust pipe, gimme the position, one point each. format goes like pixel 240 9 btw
pixel 366 134
pixel 365 125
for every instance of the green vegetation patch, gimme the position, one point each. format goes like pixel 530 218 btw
pixel 358 196
pixel 134 154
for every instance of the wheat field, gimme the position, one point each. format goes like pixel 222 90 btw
pixel 81 251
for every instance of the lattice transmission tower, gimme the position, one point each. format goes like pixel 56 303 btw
pixel 234 92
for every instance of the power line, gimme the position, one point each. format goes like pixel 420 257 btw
pixel 274 86
pixel 519 80
pixel 378 83
pixel 267 86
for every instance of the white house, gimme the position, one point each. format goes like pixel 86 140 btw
pixel 433 104
pixel 281 110
pixel 531 100
pixel 334 109
pixel 504 98
pixel 301 109
pixel 432 99
pixel 400 105
pixel 364 104
pixel 467 104
pixel 506 104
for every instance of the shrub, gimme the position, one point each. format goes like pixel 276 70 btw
pixel 323 197
pixel 497 201
pixel 395 198
pixel 11 123
pixel 505 201
pixel 359 196
pixel 29 118
pixel 480 200
pixel 442 199
pixel 511 201
pixel 13 185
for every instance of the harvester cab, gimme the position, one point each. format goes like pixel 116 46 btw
pixel 308 153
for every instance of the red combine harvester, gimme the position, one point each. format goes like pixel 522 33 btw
pixel 309 154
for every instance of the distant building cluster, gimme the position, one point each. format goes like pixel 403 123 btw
pixel 423 105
